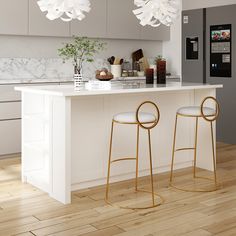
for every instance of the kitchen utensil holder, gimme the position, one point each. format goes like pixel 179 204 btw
pixel 116 70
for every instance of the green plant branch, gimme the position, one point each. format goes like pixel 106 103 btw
pixel 80 50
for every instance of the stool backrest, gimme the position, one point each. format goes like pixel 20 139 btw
pixel 217 109
pixel 154 124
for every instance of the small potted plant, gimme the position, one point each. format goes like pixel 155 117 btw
pixel 81 50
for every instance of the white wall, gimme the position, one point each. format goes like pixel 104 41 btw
pixel 46 47
pixel 172 48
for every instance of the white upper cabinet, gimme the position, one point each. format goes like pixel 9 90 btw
pixel 94 24
pixel 121 22
pixel 14 17
pixel 155 33
pixel 40 25
pixel 107 19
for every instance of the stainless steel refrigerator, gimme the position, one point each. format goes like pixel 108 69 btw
pixel 208 56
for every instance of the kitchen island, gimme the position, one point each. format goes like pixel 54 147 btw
pixel 65 133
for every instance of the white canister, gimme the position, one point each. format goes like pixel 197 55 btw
pixel 116 70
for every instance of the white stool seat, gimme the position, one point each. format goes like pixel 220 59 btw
pixel 196 111
pixel 130 117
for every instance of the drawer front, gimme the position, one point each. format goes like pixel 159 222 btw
pixel 8 93
pixel 10 110
pixel 10 133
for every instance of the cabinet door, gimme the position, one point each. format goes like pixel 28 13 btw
pixel 8 93
pixel 14 17
pixel 10 133
pixel 155 33
pixel 121 22
pixel 41 26
pixel 10 110
pixel 94 24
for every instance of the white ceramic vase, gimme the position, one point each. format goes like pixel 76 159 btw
pixel 78 81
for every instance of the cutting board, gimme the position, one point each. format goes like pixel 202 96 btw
pixel 144 64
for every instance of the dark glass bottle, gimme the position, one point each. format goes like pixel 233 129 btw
pixel 149 76
pixel 161 71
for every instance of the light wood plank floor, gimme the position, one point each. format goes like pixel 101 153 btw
pixel 26 211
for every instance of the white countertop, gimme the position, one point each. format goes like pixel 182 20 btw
pixel 115 88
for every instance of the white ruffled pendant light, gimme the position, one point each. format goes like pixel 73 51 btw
pixel 156 12
pixel 65 9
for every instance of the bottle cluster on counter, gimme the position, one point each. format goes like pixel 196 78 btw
pixel 139 67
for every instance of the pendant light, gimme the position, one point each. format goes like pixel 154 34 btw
pixel 156 12
pixel 65 9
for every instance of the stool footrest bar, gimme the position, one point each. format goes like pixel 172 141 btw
pixel 124 159
pixel 183 149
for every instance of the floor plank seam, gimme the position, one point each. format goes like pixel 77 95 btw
pixel 32 233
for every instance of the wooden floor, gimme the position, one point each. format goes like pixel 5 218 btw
pixel 27 211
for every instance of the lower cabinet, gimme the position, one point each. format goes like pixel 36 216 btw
pixel 10 118
pixel 10 131
pixel 10 127
pixel 10 110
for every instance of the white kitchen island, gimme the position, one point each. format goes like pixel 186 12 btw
pixel 65 133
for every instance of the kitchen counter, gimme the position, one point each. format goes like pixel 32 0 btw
pixel 65 133
pixel 115 88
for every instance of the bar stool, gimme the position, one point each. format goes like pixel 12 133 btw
pixel 208 114
pixel 146 121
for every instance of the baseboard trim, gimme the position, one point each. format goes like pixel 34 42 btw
pixel 12 155
pixel 118 178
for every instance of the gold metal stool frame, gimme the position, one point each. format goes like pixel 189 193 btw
pixel 211 119
pixel 142 125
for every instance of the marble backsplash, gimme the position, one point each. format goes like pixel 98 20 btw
pixel 44 68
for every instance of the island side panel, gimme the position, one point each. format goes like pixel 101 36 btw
pixel 36 148
pixel 61 149
pixel 46 144
pixel 91 123
pixel 23 121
